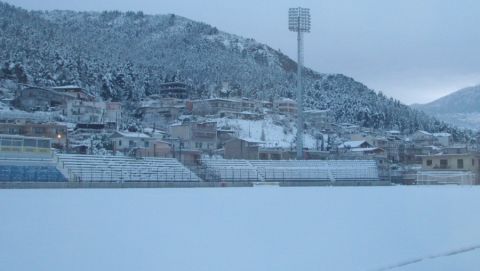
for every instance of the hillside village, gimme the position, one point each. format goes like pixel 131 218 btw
pixel 189 93
pixel 144 140
pixel 173 122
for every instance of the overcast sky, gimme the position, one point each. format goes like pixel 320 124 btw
pixel 413 50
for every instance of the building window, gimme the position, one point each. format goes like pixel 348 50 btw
pixel 147 144
pixel 429 163
pixel 198 145
pixel 473 162
pixel 39 130
pixel 30 143
pixel 443 163
pixel 43 144
pixel 120 143
pixel 459 163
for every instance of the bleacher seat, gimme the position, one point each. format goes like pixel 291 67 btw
pixel 232 170
pixel 293 170
pixel 24 173
pixel 95 168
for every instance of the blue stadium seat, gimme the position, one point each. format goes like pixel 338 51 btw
pixel 10 173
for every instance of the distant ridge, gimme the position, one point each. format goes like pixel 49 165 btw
pixel 461 108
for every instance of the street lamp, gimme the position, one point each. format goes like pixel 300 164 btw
pixel 299 21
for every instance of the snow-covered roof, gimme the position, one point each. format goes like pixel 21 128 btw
pixel 149 103
pixel 424 132
pixel 67 87
pixel 441 135
pixel 366 149
pixel 176 124
pixel 311 111
pixel 353 144
pixel 442 154
pixel 150 130
pixel 250 139
pixel 433 147
pixel 132 134
pixel 285 100
pixel 217 99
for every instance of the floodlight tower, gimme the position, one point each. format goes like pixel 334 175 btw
pixel 299 21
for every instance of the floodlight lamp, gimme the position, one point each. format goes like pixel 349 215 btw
pixel 299 19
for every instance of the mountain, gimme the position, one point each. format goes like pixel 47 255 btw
pixel 124 56
pixel 466 100
pixel 461 108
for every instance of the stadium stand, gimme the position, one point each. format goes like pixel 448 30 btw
pixel 29 170
pixel 27 159
pixel 293 170
pixel 231 170
pixel 95 168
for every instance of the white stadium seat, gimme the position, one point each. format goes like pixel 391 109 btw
pixel 292 170
pixel 95 168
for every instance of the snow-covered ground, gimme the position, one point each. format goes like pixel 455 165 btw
pixel 264 228
pixel 275 134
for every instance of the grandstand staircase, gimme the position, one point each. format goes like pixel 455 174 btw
pixel 201 172
pixel 60 167
pixel 330 176
pixel 260 174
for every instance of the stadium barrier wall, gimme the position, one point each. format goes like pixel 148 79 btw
pixel 108 185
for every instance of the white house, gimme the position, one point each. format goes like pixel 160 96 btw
pixel 140 145
pixel 423 138
pixel 93 112
pixel 444 139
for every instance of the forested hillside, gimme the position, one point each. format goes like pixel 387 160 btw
pixel 124 56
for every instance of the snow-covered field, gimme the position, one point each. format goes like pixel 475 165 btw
pixel 264 228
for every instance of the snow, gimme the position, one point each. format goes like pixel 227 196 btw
pixel 111 64
pixel 441 135
pixel 133 134
pixel 424 132
pixel 316 111
pixel 276 135
pixel 352 144
pixel 365 149
pixel 7 113
pixel 67 87
pixel 265 228
pixel 464 120
pixel 3 106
